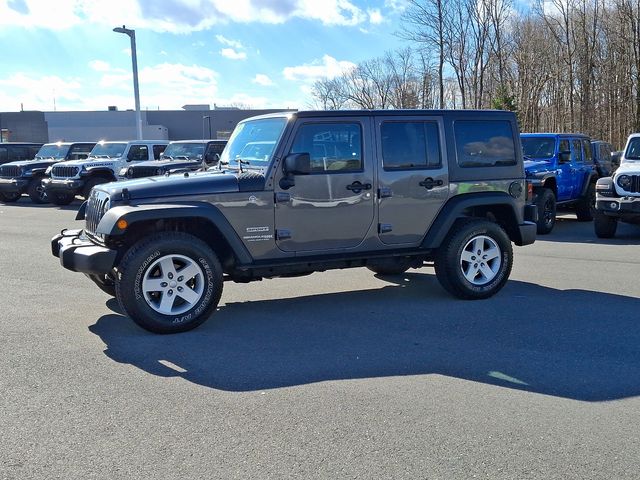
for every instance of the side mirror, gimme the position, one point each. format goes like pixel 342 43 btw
pixel 294 164
pixel 212 157
pixel 297 164
pixel 564 157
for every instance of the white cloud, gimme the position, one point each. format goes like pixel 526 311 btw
pixel 262 79
pixel 166 85
pixel 230 43
pixel 232 54
pixel 37 93
pixel 99 65
pixel 328 67
pixel 176 16
pixel 375 17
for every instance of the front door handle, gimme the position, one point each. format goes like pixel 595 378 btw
pixel 357 187
pixel 429 183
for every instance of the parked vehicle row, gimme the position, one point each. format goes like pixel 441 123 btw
pixel 563 170
pixel 62 170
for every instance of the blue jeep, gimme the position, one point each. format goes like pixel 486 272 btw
pixel 561 170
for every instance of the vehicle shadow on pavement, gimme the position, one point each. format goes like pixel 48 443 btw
pixel 26 202
pixel 569 230
pixel 569 343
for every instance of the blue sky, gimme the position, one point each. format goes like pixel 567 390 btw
pixel 258 53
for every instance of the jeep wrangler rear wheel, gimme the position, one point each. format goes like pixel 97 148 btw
pixel 546 204
pixel 586 206
pixel 390 266
pixel 169 283
pixel 475 259
pixel 605 227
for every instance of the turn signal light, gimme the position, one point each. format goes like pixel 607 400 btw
pixel 122 224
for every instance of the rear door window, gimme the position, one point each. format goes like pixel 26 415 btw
pixel 484 143
pixel 586 145
pixel 409 145
pixel 577 151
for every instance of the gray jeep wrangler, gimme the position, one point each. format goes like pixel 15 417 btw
pixel 304 192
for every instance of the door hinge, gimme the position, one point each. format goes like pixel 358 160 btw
pixel 283 234
pixel 384 192
pixel 282 197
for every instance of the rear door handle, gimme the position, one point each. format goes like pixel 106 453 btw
pixel 429 183
pixel 357 187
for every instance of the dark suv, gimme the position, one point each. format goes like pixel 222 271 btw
pixel 311 191
pixel 26 176
pixel 179 156
pixel 12 151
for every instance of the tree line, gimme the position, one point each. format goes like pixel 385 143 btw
pixel 562 65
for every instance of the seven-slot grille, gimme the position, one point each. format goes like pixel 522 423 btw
pixel 64 171
pixel 10 171
pixel 635 184
pixel 141 171
pixel 97 206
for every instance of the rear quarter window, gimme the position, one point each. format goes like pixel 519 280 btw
pixel 484 143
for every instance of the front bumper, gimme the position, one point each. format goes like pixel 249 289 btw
pixel 65 186
pixel 618 206
pixel 13 185
pixel 79 254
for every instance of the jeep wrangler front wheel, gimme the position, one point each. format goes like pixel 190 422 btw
pixel 169 283
pixel 546 205
pixel 605 227
pixel 475 260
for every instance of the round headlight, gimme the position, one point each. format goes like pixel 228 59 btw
pixel 130 171
pixel 624 181
pixel 106 206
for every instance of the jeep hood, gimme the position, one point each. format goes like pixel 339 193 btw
pixel 176 163
pixel 628 168
pixel 30 164
pixel 174 185
pixel 532 166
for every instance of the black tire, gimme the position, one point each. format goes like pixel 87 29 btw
pixel 92 182
pixel 61 198
pixel 604 226
pixel 546 205
pixel 450 266
pixel 390 266
pixel 586 206
pixel 10 197
pixel 36 191
pixel 140 264
pixel 104 283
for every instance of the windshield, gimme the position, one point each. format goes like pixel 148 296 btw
pixel 192 151
pixel 253 142
pixel 538 147
pixel 633 150
pixel 53 150
pixel 109 150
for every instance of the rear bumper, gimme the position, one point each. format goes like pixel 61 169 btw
pixel 527 230
pixel 13 185
pixel 79 254
pixel 62 186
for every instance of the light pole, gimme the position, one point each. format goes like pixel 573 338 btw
pixel 134 60
pixel 209 122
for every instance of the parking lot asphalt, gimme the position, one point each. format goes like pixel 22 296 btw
pixel 336 375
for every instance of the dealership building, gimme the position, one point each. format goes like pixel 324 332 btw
pixel 192 122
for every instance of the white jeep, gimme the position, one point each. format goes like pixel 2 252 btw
pixel 618 196
pixel 101 166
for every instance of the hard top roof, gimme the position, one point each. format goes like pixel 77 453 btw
pixel 386 113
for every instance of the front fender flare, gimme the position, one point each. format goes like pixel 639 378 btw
pixel 138 213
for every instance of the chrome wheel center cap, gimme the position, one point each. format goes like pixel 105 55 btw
pixel 173 284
